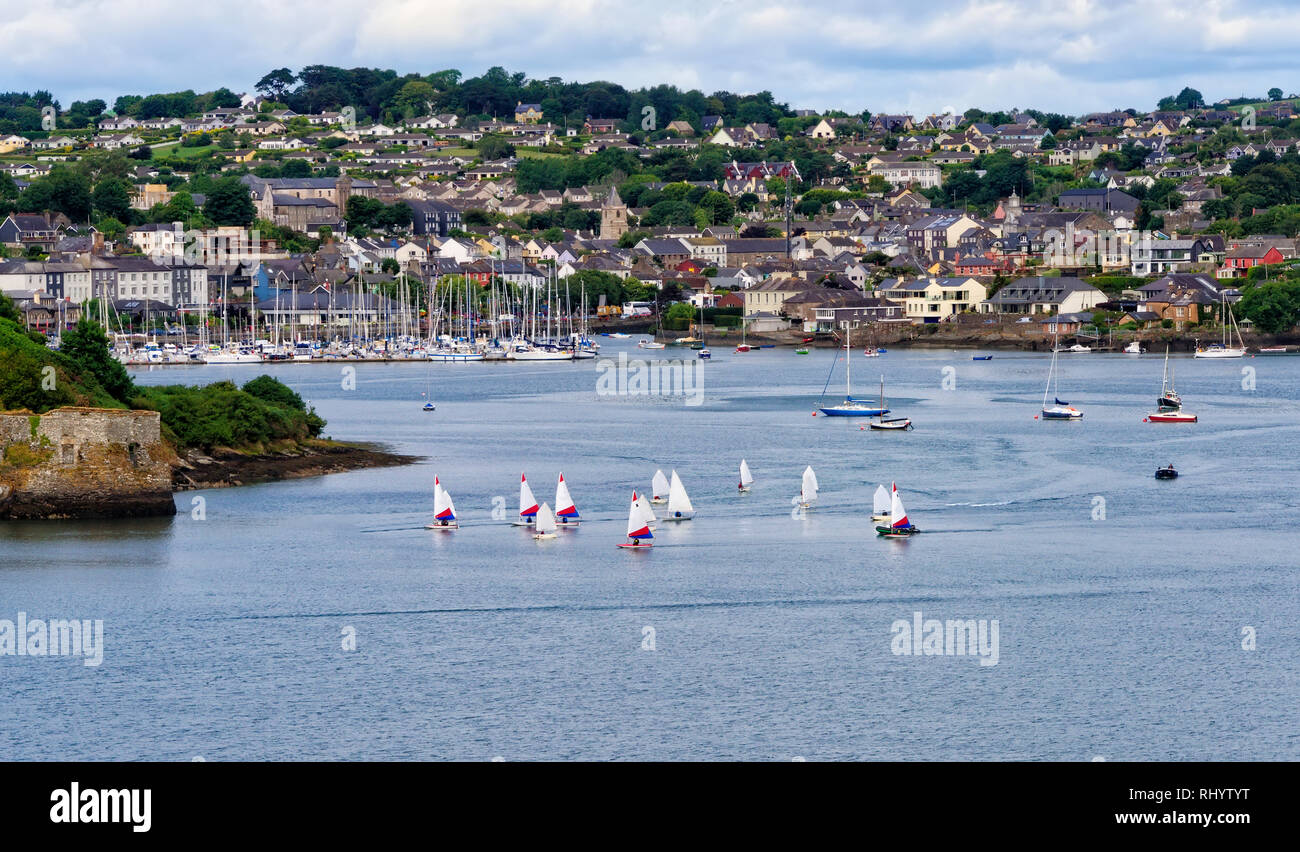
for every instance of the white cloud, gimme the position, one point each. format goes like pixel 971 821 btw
pixel 1062 55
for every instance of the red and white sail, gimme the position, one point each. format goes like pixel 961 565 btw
pixel 527 503
pixel 647 513
pixel 637 528
pixel 564 508
pixel 897 514
pixel 443 508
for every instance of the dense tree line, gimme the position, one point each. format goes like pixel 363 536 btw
pixel 384 95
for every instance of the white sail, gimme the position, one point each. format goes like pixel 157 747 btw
pixel 809 491
pixel 637 528
pixel 679 505
pixel 527 502
pixel 746 479
pixel 897 514
pixel 659 487
pixel 564 507
pixel 545 520
pixel 880 502
pixel 647 513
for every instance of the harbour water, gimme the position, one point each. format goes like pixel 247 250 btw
pixel 1125 606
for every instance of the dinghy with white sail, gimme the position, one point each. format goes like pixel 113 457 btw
pixel 638 532
pixel 880 504
pixel 527 504
pixel 746 478
pixel 808 490
pixel 546 524
pixel 899 526
pixel 679 505
pixel 566 513
pixel 444 511
pixel 659 488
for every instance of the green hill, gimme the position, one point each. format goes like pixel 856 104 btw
pixel 263 413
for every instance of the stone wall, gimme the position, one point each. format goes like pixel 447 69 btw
pixel 84 463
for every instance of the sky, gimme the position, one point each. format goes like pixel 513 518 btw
pixel 1069 56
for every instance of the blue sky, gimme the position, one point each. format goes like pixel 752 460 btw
pixel 1070 56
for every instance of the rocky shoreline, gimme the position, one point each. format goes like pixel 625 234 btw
pixel 223 468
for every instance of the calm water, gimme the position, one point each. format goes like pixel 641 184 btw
pixel 1120 621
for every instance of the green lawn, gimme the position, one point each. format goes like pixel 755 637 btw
pixel 1295 102
pixel 174 149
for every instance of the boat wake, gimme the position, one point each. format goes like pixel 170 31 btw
pixel 688 605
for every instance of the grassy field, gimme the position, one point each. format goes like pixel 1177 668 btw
pixel 174 149
pixel 1295 102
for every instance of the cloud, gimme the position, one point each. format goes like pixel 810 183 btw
pixel 1069 56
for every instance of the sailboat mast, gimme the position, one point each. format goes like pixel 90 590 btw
pixel 848 362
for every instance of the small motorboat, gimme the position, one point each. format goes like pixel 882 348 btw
pixel 647 343
pixel 1134 348
pixel 981 357
pixel 1166 472
pixel 706 354
pixel 802 350
pixel 1171 415
pixel 744 347
pixel 894 424
pixel 870 353
pixel 1273 350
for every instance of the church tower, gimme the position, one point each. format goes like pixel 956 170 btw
pixel 613 216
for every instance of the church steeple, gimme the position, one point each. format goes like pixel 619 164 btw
pixel 613 216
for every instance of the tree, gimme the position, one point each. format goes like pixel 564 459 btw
pixel 112 199
pixel 111 228
pixel 8 310
pixel 87 345
pixel 414 98
pixel 1275 94
pixel 64 190
pixel 719 207
pixel 228 203
pixel 1273 306
pixel 494 147
pixel 1189 98
pixel 276 83
pixel 223 98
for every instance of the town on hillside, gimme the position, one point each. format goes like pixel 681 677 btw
pixel 166 212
